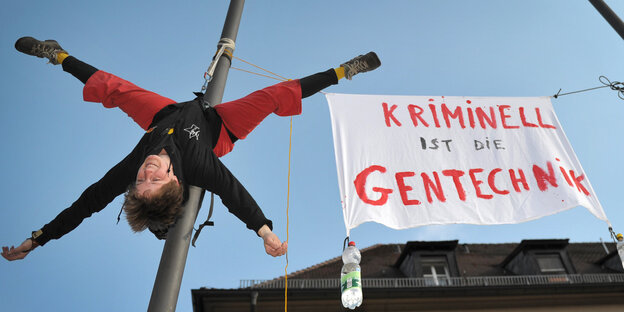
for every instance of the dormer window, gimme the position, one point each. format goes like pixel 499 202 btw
pixel 433 261
pixel 540 257
pixel 550 263
pixel 435 270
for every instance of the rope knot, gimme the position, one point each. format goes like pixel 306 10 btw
pixel 615 86
pixel 225 46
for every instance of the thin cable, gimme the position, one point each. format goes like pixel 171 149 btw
pixel 289 161
pixel 579 91
pixel 287 217
pixel 250 72
pixel 615 86
pixel 256 66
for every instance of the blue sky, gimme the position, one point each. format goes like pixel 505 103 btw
pixel 55 145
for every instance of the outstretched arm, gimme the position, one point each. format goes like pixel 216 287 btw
pixel 272 243
pixel 93 199
pixel 20 252
pixel 212 175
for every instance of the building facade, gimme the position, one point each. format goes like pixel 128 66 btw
pixel 533 275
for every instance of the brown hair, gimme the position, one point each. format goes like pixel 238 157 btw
pixel 162 207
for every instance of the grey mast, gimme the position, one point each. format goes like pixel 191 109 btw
pixel 173 260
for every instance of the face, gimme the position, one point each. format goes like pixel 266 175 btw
pixel 153 174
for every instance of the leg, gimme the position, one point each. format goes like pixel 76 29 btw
pixel 141 105
pixel 241 116
pixel 101 87
pixel 82 71
pixel 317 82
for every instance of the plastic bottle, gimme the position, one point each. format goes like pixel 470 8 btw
pixel 350 277
pixel 620 247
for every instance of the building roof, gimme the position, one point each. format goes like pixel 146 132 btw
pixel 381 260
pixel 489 277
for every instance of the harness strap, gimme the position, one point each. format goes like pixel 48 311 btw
pixel 206 223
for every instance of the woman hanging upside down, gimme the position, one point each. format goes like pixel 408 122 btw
pixel 181 147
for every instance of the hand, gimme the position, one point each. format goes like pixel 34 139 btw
pixel 272 243
pixel 20 252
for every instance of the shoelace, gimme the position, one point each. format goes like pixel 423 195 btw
pixel 356 67
pixel 48 49
pixel 43 50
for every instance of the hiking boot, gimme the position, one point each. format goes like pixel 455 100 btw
pixel 44 49
pixel 361 64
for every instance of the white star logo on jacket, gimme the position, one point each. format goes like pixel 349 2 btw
pixel 193 132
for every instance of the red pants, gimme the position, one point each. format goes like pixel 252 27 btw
pixel 240 116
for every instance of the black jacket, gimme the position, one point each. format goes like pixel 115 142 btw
pixel 190 147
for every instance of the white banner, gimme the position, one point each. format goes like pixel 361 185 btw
pixel 407 161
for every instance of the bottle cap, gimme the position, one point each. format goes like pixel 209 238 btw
pixel 351 243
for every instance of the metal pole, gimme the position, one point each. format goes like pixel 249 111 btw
pixel 171 269
pixel 216 86
pixel 609 15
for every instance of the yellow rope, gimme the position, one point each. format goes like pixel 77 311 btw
pixel 247 71
pixel 289 158
pixel 256 66
pixel 287 218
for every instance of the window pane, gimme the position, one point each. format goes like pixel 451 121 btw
pixel 435 270
pixel 440 268
pixel 550 264
pixel 427 269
